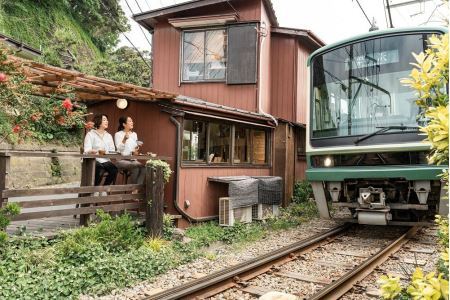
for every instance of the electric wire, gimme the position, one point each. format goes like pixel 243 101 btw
pixel 138 5
pixel 135 48
pixel 368 20
pixel 132 13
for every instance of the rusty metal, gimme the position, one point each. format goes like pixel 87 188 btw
pixel 345 283
pixel 222 280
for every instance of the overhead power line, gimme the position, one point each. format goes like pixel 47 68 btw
pixel 132 13
pixel 368 20
pixel 135 48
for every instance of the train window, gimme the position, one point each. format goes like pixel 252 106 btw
pixel 357 87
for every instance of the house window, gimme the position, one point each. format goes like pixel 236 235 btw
pixel 242 145
pixel 211 143
pixel 194 141
pixel 204 55
pixel 219 143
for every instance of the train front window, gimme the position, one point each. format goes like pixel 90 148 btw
pixel 357 88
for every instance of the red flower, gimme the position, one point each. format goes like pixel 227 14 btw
pixel 3 77
pixel 67 104
pixel 89 125
pixel 16 129
pixel 61 120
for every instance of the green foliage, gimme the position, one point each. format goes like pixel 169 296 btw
pixel 430 78
pixel 302 191
pixel 165 166
pixel 103 19
pixel 443 237
pixel 26 117
pixel 107 255
pixel 125 65
pixel 168 226
pixel 6 212
pixel 100 21
pixel 41 23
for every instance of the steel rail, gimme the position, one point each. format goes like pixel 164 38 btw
pixel 345 283
pixel 226 277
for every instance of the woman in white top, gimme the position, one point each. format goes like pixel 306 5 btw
pixel 98 141
pixel 127 144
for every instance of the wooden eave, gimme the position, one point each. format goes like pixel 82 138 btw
pixel 53 80
pixel 148 19
pixel 303 35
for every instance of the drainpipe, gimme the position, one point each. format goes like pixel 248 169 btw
pixel 177 178
pixel 260 110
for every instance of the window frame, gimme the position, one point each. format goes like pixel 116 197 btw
pixel 181 64
pixel 231 163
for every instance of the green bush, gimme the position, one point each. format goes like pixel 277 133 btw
pixel 302 191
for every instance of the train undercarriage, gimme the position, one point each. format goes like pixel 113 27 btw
pixel 390 201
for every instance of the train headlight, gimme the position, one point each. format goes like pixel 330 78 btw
pixel 327 162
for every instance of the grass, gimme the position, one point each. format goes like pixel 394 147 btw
pixel 39 23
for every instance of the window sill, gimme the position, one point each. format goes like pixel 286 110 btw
pixel 204 81
pixel 218 166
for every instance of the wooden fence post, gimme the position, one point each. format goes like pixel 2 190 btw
pixel 154 197
pixel 87 179
pixel 4 175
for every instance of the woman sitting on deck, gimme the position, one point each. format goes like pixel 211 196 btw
pixel 99 141
pixel 127 144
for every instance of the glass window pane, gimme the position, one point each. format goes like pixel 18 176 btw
pixel 219 143
pixel 193 55
pixel 357 88
pixel 241 145
pixel 194 141
pixel 215 54
pixel 259 146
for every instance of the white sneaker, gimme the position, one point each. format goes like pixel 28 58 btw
pixel 104 194
pixel 96 194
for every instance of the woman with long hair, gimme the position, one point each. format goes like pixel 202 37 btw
pixel 99 141
pixel 127 143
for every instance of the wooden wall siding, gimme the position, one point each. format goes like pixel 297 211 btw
pixel 264 58
pixel 153 127
pixel 283 82
pixel 302 72
pixel 166 57
pixel 300 169
pixel 166 60
pixel 204 195
pixel 284 160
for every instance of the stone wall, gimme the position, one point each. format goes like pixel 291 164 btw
pixel 27 172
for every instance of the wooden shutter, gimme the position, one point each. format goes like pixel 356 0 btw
pixel 242 54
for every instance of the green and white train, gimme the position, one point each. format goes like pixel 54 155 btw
pixel 364 150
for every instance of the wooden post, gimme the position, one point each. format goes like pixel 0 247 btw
pixel 154 196
pixel 4 175
pixel 87 179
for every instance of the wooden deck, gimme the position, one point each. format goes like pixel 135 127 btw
pixel 43 227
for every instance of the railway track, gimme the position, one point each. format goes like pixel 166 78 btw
pixel 324 266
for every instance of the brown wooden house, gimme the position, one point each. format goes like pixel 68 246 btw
pixel 240 109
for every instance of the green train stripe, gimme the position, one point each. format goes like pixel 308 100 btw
pixel 417 172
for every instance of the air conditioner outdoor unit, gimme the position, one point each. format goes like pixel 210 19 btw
pixel 263 211
pixel 229 215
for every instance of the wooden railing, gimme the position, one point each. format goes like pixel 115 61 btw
pixel 148 197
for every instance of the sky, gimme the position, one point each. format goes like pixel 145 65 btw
pixel 330 20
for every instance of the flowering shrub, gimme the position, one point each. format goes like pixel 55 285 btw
pixel 429 78
pixel 26 117
pixel 165 166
